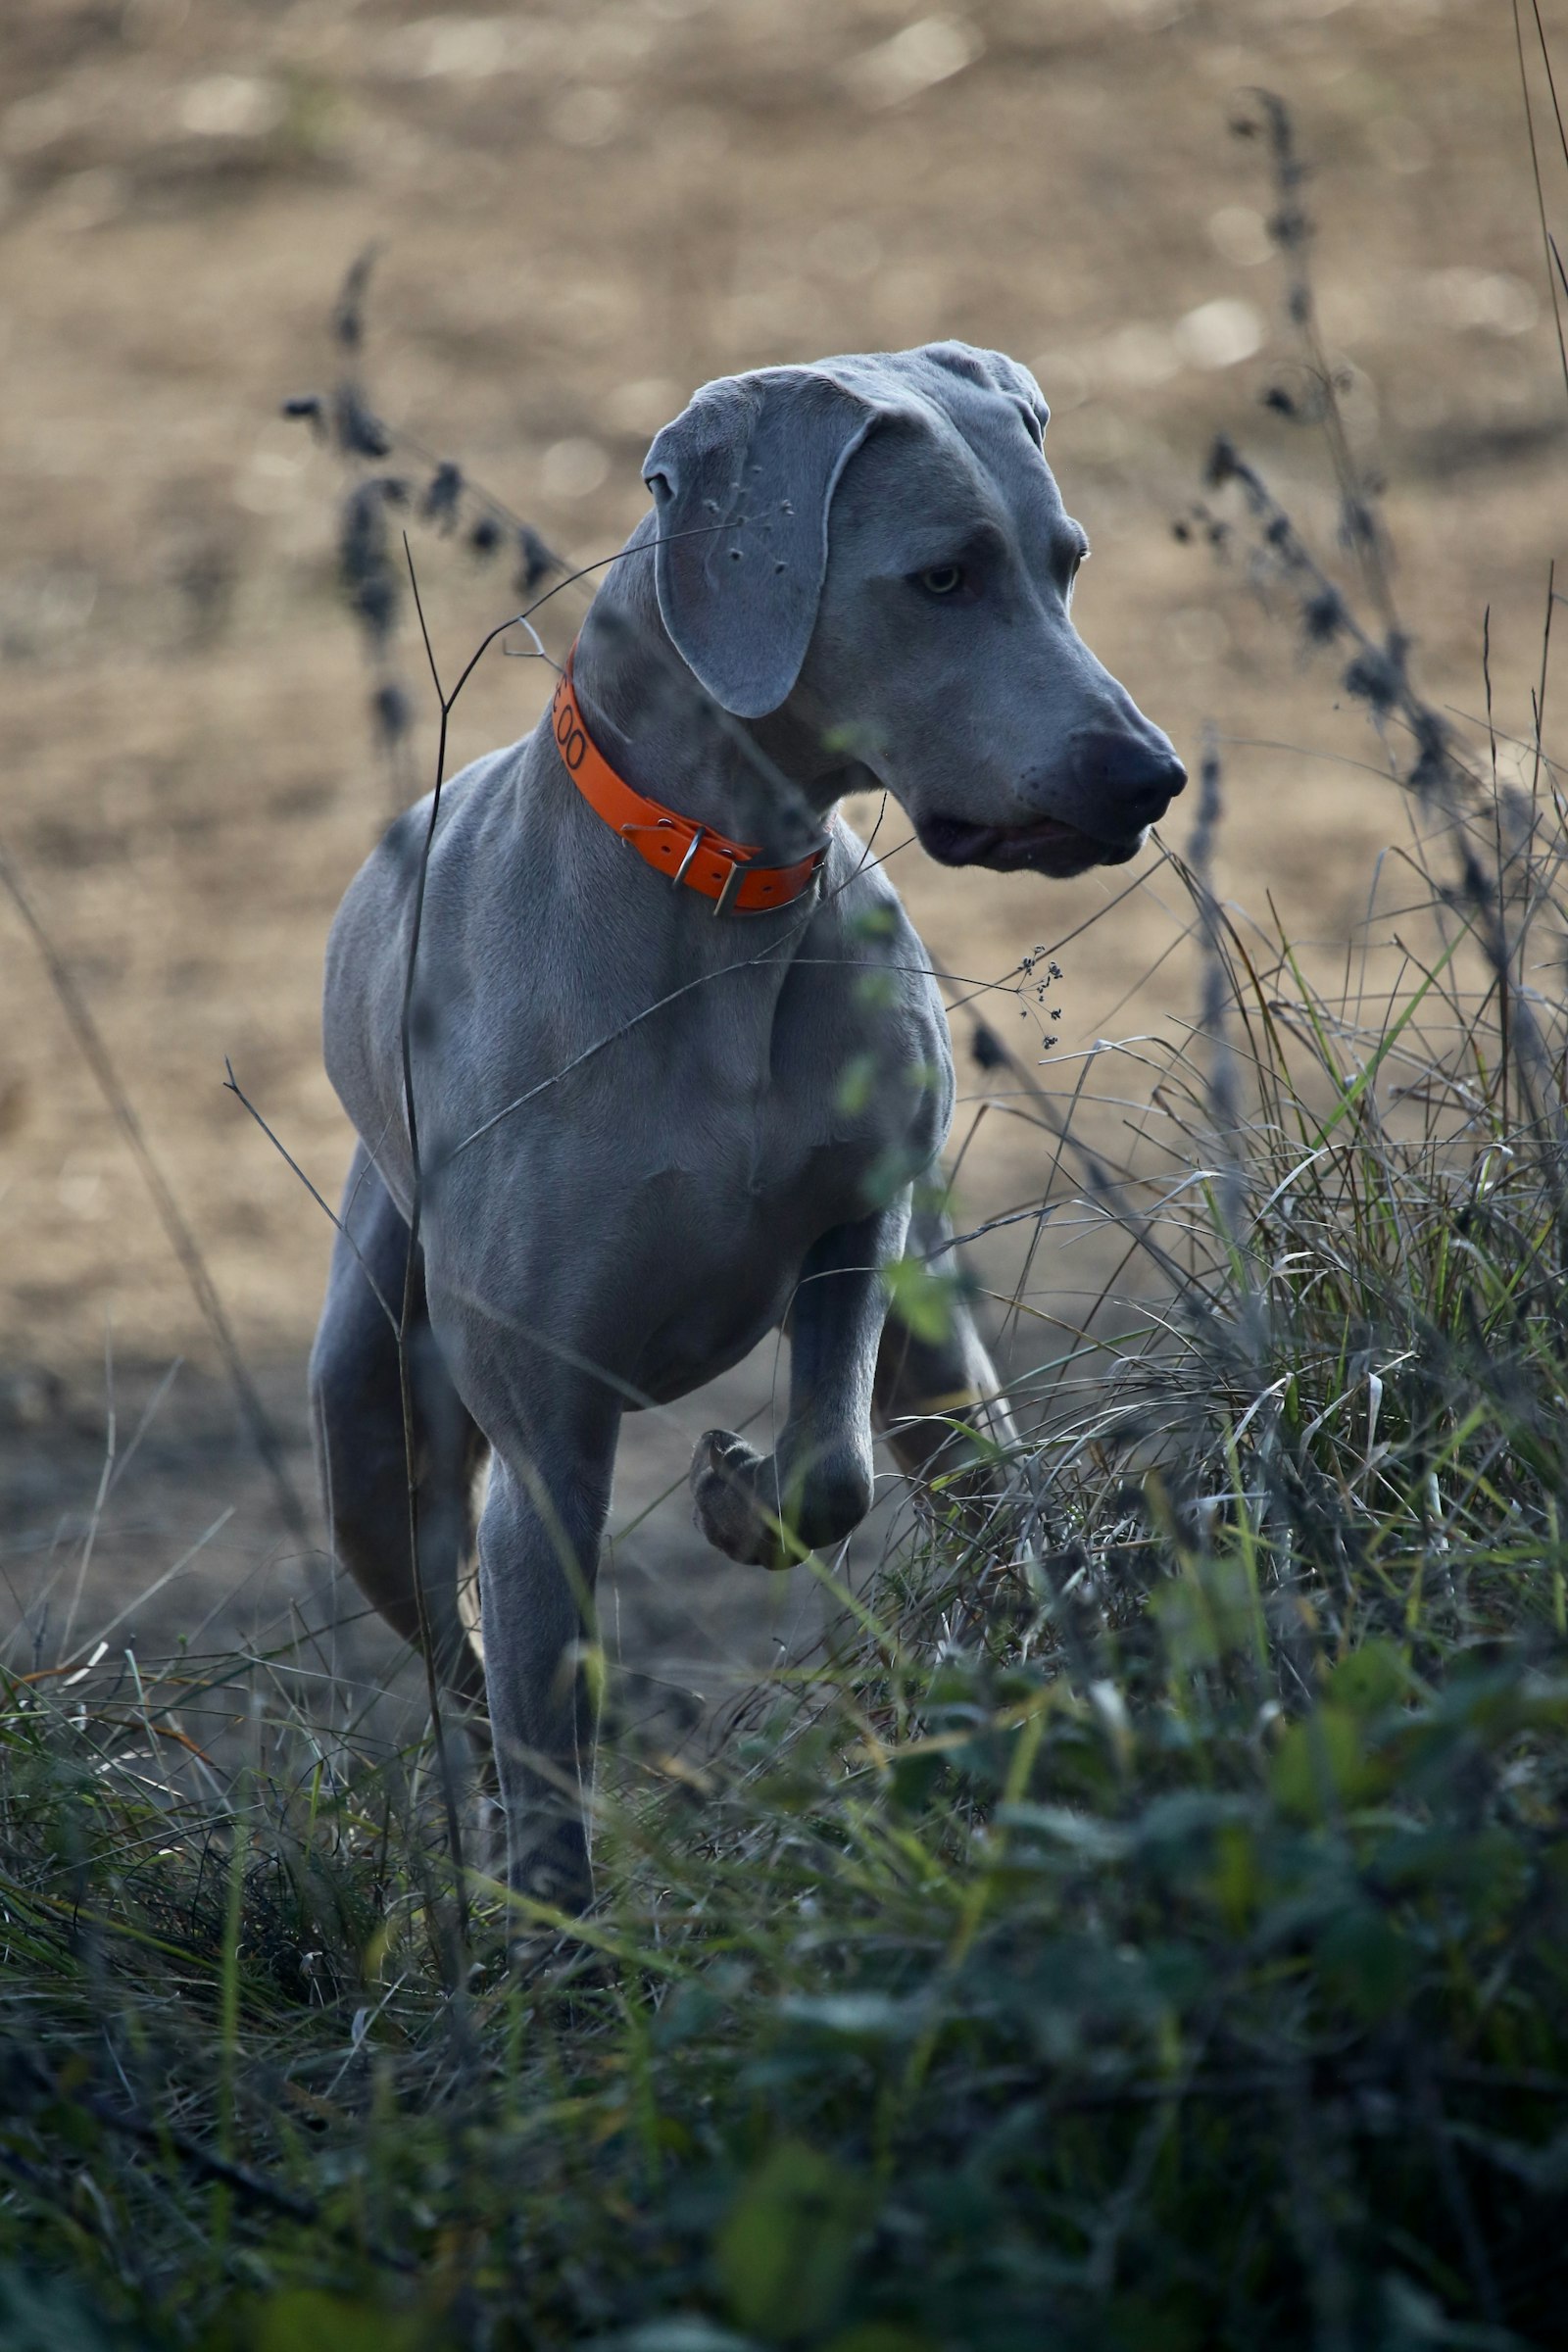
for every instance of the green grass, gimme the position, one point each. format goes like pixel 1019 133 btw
pixel 1149 1928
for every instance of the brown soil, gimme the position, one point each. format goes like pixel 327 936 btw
pixel 583 210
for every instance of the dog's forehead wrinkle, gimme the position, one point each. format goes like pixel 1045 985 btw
pixel 975 502
pixel 925 483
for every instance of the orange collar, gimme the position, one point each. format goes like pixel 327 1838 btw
pixel 672 844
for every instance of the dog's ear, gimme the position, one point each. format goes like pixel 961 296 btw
pixel 742 481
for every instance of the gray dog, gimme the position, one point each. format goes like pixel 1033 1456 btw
pixel 662 1112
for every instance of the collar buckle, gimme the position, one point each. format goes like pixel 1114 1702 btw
pixel 729 872
pixel 732 883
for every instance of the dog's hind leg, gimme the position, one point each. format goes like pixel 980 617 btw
pixel 933 1396
pixel 357 1406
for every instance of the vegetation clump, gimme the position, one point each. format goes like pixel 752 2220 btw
pixel 1146 1927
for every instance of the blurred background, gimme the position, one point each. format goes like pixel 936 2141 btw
pixel 583 210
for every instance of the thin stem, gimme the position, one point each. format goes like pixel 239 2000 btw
pixel 406 1312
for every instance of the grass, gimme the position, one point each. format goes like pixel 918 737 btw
pixel 1147 1924
pixel 1149 1927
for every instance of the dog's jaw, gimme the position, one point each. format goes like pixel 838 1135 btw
pixel 1048 846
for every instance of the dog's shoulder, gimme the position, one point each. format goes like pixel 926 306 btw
pixel 859 900
pixel 874 972
pixel 366 949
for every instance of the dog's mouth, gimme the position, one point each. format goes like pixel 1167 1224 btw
pixel 1048 846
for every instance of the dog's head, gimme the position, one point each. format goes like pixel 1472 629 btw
pixel 877 544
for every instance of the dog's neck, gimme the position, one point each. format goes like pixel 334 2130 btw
pixel 765 781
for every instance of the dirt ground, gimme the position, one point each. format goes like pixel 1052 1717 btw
pixel 582 210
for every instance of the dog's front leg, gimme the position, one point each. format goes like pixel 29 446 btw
pixel 816 1486
pixel 539 1544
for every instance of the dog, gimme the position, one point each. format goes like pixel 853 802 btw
pixel 678 1060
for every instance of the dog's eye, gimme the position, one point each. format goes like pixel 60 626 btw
pixel 941 579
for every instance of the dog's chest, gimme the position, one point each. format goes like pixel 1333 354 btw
pixel 754 1171
pixel 709 1257
pixel 803 1119
pixel 760 1163
pixel 650 1200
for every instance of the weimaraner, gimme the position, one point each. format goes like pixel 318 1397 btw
pixel 664 1108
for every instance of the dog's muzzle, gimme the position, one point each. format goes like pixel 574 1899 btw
pixel 1128 781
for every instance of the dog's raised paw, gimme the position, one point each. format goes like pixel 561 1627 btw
pixel 731 1485
pixel 740 1499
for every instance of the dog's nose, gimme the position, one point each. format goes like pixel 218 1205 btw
pixel 1133 776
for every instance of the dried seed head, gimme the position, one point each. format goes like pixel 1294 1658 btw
pixel 1435 762
pixel 1222 463
pixel 443 496
pixel 1375 677
pixel 389 706
pixel 348 314
pixel 1324 615
pixel 1357 523
pixel 988 1049
pixel 370 583
pixel 535 560
pixel 360 431
pixel 310 409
